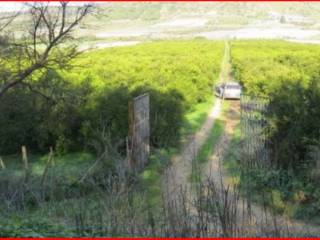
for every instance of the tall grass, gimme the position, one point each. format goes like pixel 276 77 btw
pixel 113 205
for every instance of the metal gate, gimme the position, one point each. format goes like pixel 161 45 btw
pixel 139 131
pixel 254 130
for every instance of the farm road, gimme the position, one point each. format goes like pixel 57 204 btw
pixel 253 218
pixel 178 173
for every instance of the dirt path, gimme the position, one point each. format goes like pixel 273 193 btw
pixel 257 217
pixel 213 168
pixel 253 218
pixel 178 173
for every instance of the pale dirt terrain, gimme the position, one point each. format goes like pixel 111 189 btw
pixel 178 173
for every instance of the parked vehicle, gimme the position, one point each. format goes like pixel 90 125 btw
pixel 230 90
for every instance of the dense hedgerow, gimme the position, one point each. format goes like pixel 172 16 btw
pixel 289 75
pixel 263 66
pixel 93 95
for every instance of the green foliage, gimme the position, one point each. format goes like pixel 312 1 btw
pixel 34 227
pixel 206 151
pixel 195 118
pixel 94 93
pixel 288 74
pixel 150 180
pixel 16 121
pixel 68 167
pixel 186 66
pixel 178 75
pixel 262 66
pixel 294 119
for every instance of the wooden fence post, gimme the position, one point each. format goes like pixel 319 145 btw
pixel 52 157
pixel 2 165
pixel 130 138
pixel 128 153
pixel 49 162
pixel 25 162
pixel 139 131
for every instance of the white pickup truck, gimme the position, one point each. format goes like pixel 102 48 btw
pixel 229 90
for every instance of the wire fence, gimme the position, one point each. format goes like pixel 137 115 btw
pixel 254 130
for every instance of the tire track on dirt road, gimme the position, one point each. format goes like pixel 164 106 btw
pixel 257 217
pixel 178 173
pixel 253 219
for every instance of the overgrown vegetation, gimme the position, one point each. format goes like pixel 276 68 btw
pixel 80 194
pixel 84 100
pixel 113 205
pixel 87 109
pixel 288 74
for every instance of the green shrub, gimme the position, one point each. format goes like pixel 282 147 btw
pixel 93 95
pixel 288 74
pixel 31 227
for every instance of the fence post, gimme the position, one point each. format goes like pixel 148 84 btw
pixel 130 137
pixel 49 162
pixel 2 165
pixel 52 157
pixel 139 131
pixel 25 163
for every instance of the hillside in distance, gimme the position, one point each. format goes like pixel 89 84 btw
pixel 135 22
pixel 116 23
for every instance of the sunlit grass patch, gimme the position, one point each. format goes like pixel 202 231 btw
pixel 195 118
pixel 150 179
pixel 206 151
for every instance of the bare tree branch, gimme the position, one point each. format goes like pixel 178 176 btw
pixel 7 20
pixel 51 27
